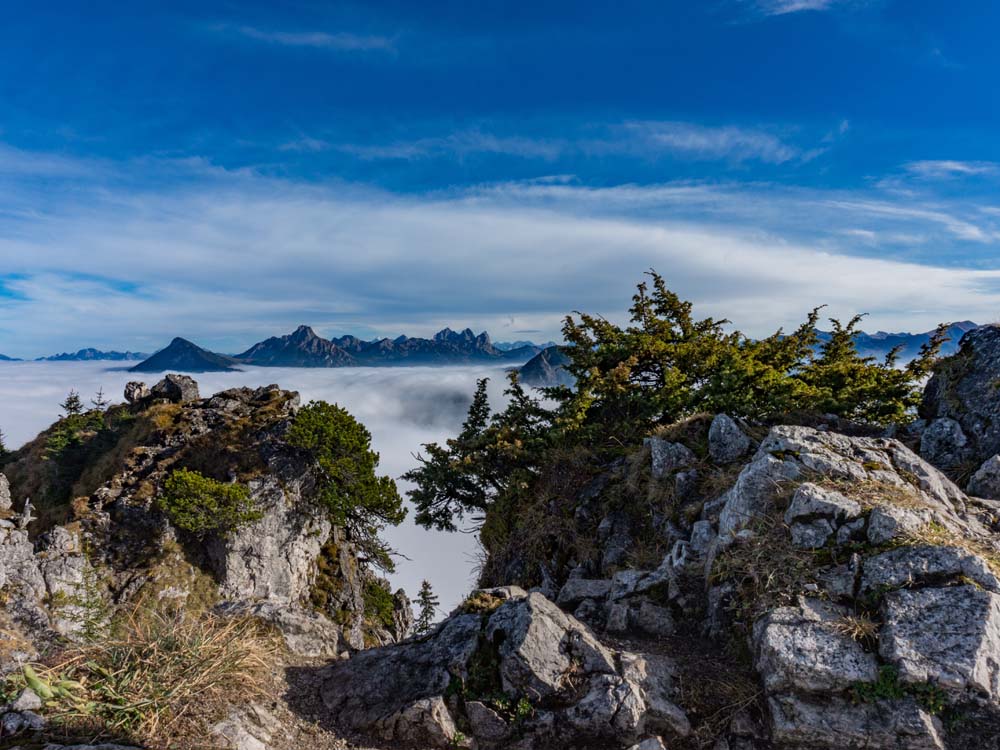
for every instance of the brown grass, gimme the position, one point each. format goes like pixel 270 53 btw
pixel 859 627
pixel 871 493
pixel 163 681
pixel 767 570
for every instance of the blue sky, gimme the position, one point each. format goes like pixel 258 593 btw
pixel 225 171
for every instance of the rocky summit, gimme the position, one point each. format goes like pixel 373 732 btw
pixel 724 583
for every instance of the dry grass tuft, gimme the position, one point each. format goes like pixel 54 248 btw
pixel 162 681
pixel 859 627
pixel 871 493
pixel 480 602
pixel 767 570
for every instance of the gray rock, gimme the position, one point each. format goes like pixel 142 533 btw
pixel 250 729
pixel 176 388
pixel 944 443
pixel 273 557
pixel 950 637
pixel 28 700
pixel 12 723
pixel 5 500
pixel 918 565
pixel 726 441
pixel 424 721
pixel 984 483
pixel 963 388
pixel 852 531
pixel 811 501
pixel 652 619
pixel 575 590
pixel 801 649
pixel 136 392
pixel 833 723
pixel 541 653
pixel 533 654
pixel 614 534
pixel 812 534
pixel 305 631
pixel 485 723
pixel 886 522
pixel 668 458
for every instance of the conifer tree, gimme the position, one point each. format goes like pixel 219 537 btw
pixel 72 405
pixel 428 602
pixel 99 401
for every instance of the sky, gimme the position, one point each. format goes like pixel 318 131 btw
pixel 226 171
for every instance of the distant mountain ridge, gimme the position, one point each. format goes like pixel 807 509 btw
pixel 880 343
pixel 94 355
pixel 305 348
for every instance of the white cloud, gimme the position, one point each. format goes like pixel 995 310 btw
pixel 229 258
pixel 946 168
pixel 340 41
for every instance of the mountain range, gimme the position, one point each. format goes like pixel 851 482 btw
pixel 881 343
pixel 304 348
pixel 94 355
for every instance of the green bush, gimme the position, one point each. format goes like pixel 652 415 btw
pixel 204 506
pixel 379 604
pixel 355 496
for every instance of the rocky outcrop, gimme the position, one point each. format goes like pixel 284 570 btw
pixel 122 548
pixel 960 403
pixel 524 675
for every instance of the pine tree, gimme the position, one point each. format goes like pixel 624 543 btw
pixel 99 401
pixel 3 445
pixel 428 602
pixel 72 405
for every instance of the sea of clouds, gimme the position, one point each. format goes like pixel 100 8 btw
pixel 403 407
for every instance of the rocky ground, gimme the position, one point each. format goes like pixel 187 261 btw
pixel 796 587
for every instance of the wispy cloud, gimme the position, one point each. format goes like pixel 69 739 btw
pixel 709 143
pixel 461 144
pixel 341 41
pixel 638 139
pixel 782 7
pixel 946 168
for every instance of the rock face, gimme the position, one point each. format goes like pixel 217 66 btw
pixel 121 547
pixel 962 390
pixel 565 686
